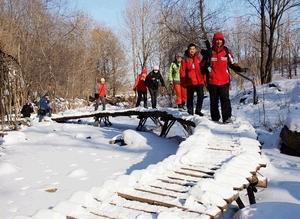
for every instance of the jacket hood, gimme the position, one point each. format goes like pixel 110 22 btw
pixel 218 36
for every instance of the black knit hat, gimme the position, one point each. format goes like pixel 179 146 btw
pixel 191 45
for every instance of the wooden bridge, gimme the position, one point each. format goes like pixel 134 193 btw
pixel 201 188
pixel 160 117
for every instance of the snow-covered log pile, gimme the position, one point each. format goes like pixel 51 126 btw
pixel 205 175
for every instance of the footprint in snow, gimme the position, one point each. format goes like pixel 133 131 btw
pixel 73 165
pixel 48 171
pixel 25 188
pixel 13 209
pixel 19 178
pixel 10 202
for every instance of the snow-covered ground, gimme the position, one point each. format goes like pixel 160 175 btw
pixel 68 157
pixel 45 164
pixel 281 103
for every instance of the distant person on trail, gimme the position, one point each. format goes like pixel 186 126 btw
pixel 27 109
pixel 174 80
pixel 215 65
pixel 152 81
pixel 141 88
pixel 192 78
pixel 101 94
pixel 44 107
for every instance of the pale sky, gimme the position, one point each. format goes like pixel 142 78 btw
pixel 108 12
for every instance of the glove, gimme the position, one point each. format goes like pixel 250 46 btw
pixel 244 69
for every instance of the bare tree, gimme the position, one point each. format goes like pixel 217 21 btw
pixel 271 13
pixel 142 21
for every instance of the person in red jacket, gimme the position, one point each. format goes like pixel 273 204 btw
pixel 141 88
pixel 101 93
pixel 192 78
pixel 216 64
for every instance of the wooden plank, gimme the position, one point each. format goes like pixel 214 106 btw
pixel 153 201
pixel 191 176
pixel 170 187
pixel 162 192
pixel 175 195
pixel 176 181
pixel 207 172
pixel 134 208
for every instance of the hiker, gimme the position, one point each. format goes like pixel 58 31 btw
pixel 27 109
pixel 215 65
pixel 141 88
pixel 174 80
pixel 44 107
pixel 101 94
pixel 192 79
pixel 152 82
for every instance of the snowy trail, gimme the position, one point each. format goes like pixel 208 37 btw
pixel 69 158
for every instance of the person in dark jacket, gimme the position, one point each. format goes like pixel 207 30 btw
pixel 141 88
pixel 192 78
pixel 27 109
pixel 216 65
pixel 152 82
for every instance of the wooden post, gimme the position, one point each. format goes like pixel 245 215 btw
pixel 240 203
pixel 250 191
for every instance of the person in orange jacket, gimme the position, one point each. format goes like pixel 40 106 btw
pixel 141 88
pixel 101 94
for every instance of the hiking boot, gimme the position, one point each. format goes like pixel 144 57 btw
pixel 190 111
pixel 200 114
pixel 229 120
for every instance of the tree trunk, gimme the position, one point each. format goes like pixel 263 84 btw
pixel 262 42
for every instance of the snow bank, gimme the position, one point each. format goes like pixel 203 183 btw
pixel 135 140
pixel 274 210
pixel 293 121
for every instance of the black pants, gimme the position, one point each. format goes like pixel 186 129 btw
pixel 153 94
pixel 219 93
pixel 141 96
pixel 103 102
pixel 190 98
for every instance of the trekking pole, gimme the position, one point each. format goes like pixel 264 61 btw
pixel 255 99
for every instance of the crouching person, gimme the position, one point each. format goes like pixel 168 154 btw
pixel 44 107
pixel 26 111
